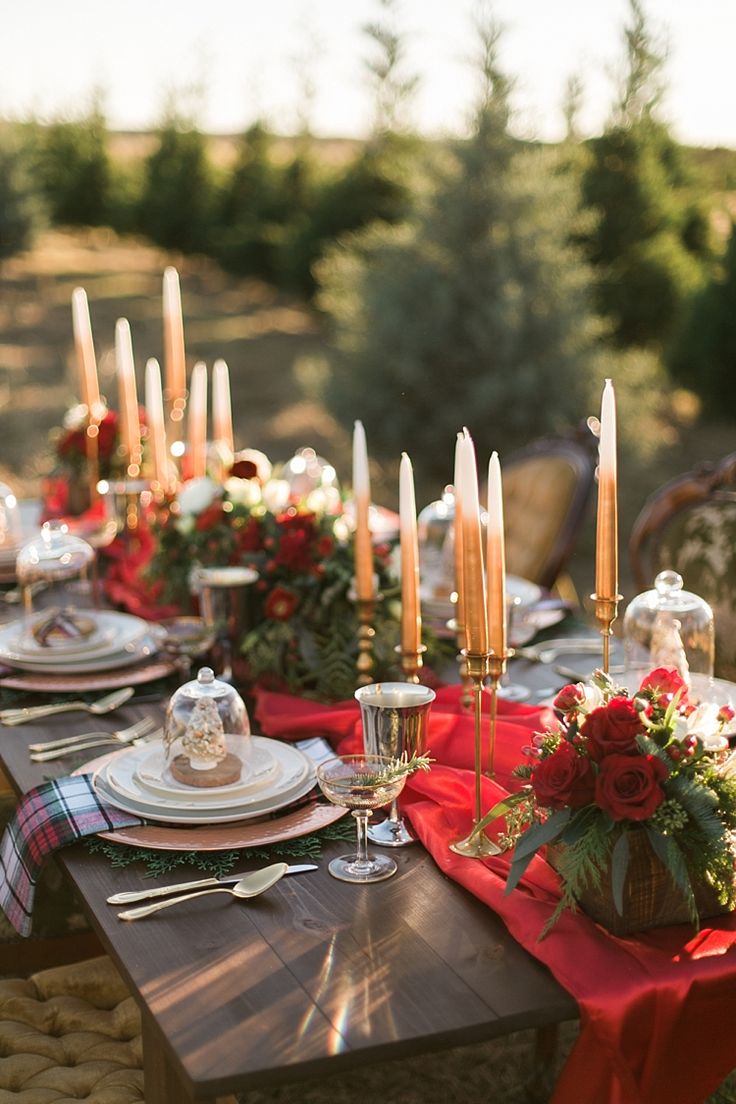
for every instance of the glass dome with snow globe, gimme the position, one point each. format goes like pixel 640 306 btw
pixel 670 627
pixel 56 576
pixel 206 732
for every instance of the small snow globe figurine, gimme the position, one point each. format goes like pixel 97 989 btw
pixel 670 627
pixel 207 720
pixel 55 573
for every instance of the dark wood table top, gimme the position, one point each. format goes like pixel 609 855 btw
pixel 313 976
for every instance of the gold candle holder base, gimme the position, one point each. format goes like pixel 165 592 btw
pixel 366 633
pixel 411 661
pixel 476 845
pixel 606 612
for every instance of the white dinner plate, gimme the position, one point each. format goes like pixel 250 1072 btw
pixel 260 768
pixel 296 779
pixel 144 649
pixel 115 633
pixel 521 592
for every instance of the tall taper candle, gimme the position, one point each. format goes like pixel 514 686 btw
pixel 606 555
pixel 361 501
pixel 174 355
pixel 130 429
pixel 89 388
pixel 197 422
pixel 411 618
pixel 458 535
pixel 496 561
pixel 474 584
pixel 222 417
pixel 155 419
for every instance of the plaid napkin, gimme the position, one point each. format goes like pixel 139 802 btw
pixel 48 817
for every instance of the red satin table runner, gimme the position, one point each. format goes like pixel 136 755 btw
pixel 657 1010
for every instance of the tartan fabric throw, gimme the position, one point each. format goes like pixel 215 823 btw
pixel 48 817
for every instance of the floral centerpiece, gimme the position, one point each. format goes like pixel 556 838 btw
pixel 618 773
pixel 304 626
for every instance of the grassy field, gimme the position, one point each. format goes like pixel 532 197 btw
pixel 274 347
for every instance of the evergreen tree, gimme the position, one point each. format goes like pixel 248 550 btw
pixel 650 239
pixel 252 209
pixel 176 205
pixel 705 358
pixel 19 205
pixel 473 311
pixel 74 169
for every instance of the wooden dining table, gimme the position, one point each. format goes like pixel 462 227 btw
pixel 314 977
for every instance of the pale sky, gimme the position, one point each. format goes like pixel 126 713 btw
pixel 242 52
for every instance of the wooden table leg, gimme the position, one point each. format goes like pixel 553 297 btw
pixel 539 1086
pixel 161 1082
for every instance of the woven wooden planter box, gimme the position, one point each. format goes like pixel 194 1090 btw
pixel 650 898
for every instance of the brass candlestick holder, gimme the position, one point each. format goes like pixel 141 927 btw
pixel 366 634
pixel 606 612
pixel 412 661
pixel 496 671
pixel 477 845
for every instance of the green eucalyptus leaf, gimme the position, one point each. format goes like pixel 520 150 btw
pixel 539 834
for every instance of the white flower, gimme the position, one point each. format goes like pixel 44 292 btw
pixel 593 698
pixel 75 417
pixel 197 494
pixel 243 492
pixel 276 495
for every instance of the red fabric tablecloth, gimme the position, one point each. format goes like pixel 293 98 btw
pixel 656 1010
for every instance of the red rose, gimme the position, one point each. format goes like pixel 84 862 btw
pixel 612 729
pixel 663 683
pixel 280 604
pixel 209 518
pixel 295 550
pixel 629 787
pixel 74 442
pixel 325 546
pixel 726 714
pixel 569 698
pixel 564 778
pixel 107 438
pixel 249 538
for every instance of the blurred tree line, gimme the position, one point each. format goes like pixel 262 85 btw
pixel 519 272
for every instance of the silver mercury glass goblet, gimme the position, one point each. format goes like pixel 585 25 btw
pixel 394 716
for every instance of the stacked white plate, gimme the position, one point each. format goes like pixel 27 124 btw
pixel 117 640
pixel 521 592
pixel 273 775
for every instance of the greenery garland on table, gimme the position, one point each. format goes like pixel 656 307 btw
pixel 219 863
pixel 304 628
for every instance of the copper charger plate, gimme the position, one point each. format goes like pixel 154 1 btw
pixel 220 837
pixel 101 680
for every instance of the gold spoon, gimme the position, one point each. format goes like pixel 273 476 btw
pixel 250 886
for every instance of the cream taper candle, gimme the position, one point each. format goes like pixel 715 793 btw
pixel 155 420
pixel 89 388
pixel 130 429
pixel 222 417
pixel 496 561
pixel 197 422
pixel 606 554
pixel 411 618
pixel 361 501
pixel 174 352
pixel 474 584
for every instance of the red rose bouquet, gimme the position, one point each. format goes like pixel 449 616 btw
pixel 615 764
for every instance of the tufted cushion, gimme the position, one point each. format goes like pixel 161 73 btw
pixel 69 1034
pixel 537 497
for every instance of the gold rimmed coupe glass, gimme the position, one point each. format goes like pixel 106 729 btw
pixel 359 783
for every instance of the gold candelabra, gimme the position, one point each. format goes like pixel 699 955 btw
pixel 606 612
pixel 496 670
pixel 477 845
pixel 366 634
pixel 412 661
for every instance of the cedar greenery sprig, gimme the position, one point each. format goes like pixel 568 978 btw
pixel 397 769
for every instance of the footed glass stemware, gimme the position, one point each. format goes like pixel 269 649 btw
pixel 361 783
